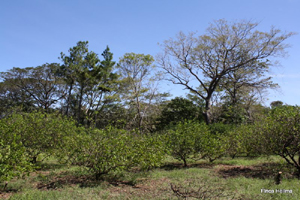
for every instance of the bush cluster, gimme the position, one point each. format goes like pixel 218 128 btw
pixel 113 150
pixel 26 138
pixel 193 140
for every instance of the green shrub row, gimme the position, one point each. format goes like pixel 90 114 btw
pixel 28 137
pixel 278 133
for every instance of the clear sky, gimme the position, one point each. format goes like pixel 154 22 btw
pixel 34 32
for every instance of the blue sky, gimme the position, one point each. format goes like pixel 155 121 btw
pixel 34 32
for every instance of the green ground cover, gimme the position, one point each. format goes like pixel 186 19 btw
pixel 226 178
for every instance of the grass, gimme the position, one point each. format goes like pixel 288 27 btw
pixel 239 178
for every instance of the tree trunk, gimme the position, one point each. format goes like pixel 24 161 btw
pixel 34 160
pixel 69 99
pixel 184 162
pixel 298 166
pixel 79 120
pixel 207 112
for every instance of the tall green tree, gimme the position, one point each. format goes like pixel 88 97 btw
pixel 227 48
pixel 103 94
pixel 275 104
pixel 178 110
pixel 88 80
pixel 139 86
pixel 11 96
pixel 75 70
pixel 37 85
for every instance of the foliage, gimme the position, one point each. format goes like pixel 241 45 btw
pixel 89 82
pixel 275 104
pixel 213 146
pixel 243 88
pixel 194 140
pixel 277 133
pixel 215 59
pixel 233 114
pixel 220 128
pixel 11 96
pixel 13 159
pixel 113 150
pixel 184 141
pixel 139 90
pixel 38 86
pixel 101 151
pixel 178 110
pixel 39 133
pixel 242 140
pixel 149 151
pixel 281 134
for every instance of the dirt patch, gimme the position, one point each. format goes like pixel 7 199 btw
pixel 59 182
pixel 263 171
pixel 172 166
pixel 5 195
pixel 151 188
pixel 115 187
pixel 37 173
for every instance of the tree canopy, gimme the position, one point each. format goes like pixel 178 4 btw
pixel 209 62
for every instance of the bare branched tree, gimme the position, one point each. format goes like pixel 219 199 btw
pixel 206 61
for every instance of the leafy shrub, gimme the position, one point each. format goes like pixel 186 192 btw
pixel 212 146
pixel 184 141
pixel 244 140
pixel 148 150
pixel 192 140
pixel 39 133
pixel 280 134
pixel 13 161
pixel 178 110
pixel 113 150
pixel 220 128
pixel 233 114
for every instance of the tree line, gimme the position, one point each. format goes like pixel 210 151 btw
pixel 226 67
pixel 92 111
pixel 94 92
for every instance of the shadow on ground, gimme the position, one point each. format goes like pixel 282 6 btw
pixel 49 166
pixel 261 171
pixel 172 166
pixel 82 181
